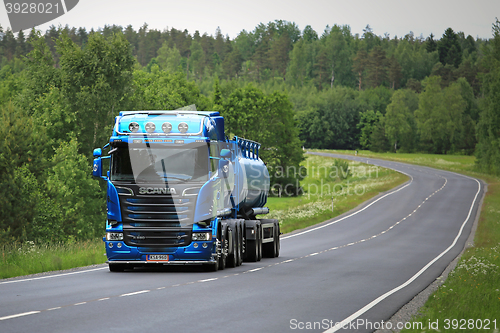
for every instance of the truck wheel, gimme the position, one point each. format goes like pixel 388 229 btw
pixel 269 250
pixel 211 267
pixel 277 240
pixel 117 267
pixel 259 241
pixel 231 259
pixel 223 250
pixel 238 248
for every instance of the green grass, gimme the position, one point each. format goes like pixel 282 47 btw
pixel 30 258
pixel 314 204
pixel 472 289
pixel 457 163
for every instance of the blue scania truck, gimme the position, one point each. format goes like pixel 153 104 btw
pixel 179 192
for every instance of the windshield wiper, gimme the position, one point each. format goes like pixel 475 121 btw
pixel 176 178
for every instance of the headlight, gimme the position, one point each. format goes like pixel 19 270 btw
pixel 201 236
pixel 114 236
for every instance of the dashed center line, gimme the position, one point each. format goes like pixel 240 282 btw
pixel 135 293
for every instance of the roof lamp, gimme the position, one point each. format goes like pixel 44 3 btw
pixel 133 127
pixel 183 127
pixel 166 127
pixel 150 127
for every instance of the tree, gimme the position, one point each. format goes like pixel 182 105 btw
pixel 169 59
pixel 439 116
pixel 359 64
pixel 395 73
pixel 268 119
pixel 488 128
pixel 94 81
pixel 400 124
pixel 449 49
pixel 367 124
pixel 376 67
pixel 431 44
pixel 21 146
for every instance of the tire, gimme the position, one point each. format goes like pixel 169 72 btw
pixel 252 250
pixel 117 267
pixel 231 259
pixel 223 258
pixel 277 241
pixel 271 249
pixel 259 247
pixel 238 248
pixel 211 267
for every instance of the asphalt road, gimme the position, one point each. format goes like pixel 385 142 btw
pixel 359 268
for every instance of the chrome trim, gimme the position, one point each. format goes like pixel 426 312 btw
pixel 191 188
pixel 259 210
pixel 125 188
pixel 224 212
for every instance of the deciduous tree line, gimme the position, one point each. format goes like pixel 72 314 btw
pixel 56 110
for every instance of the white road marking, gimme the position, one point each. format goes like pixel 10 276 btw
pixel 19 315
pixel 413 278
pixel 206 280
pixel 53 276
pixel 135 293
pixel 356 212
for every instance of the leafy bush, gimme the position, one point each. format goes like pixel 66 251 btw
pixel 340 169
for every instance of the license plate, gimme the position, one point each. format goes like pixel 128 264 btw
pixel 157 257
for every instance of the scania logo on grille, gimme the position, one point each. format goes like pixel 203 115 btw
pixel 157 190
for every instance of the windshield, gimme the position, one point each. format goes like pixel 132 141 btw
pixel 160 164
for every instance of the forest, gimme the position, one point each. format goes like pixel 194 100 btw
pixel 282 86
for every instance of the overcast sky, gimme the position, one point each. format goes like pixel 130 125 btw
pixel 395 17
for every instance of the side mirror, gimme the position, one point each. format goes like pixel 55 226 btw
pixel 224 168
pixel 97 152
pixel 97 166
pixel 225 153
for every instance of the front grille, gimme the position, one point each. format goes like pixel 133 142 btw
pixel 156 220
pixel 134 236
pixel 161 209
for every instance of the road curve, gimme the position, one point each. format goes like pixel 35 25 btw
pixel 360 268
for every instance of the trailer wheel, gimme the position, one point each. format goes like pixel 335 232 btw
pixel 277 240
pixel 252 250
pixel 259 246
pixel 238 248
pixel 252 245
pixel 271 249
